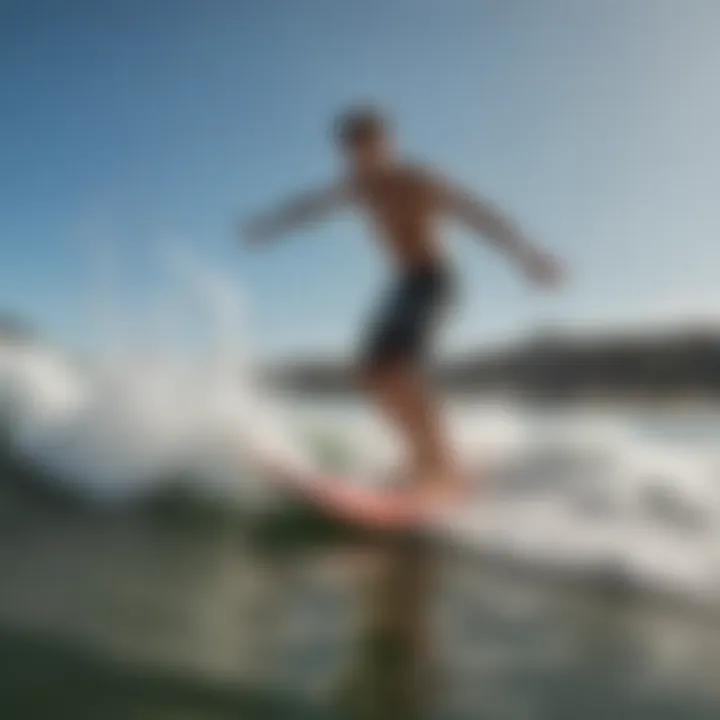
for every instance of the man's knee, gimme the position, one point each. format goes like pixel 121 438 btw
pixel 381 372
pixel 372 375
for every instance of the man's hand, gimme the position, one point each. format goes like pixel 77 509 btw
pixel 255 231
pixel 543 269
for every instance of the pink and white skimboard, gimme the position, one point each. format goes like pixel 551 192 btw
pixel 349 501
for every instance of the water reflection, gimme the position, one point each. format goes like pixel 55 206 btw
pixel 198 619
pixel 392 674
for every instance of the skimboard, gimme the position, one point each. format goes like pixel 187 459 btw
pixel 350 501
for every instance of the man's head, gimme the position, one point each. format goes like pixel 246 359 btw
pixel 364 137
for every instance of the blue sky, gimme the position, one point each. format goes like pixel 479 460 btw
pixel 125 125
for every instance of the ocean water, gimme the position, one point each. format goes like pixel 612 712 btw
pixel 177 613
pixel 147 570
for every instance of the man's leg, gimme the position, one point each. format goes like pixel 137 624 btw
pixel 394 376
pixel 402 394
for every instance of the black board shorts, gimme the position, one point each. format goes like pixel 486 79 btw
pixel 403 327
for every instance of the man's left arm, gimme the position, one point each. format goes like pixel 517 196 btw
pixel 488 220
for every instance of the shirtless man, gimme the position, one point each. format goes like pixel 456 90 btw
pixel 404 203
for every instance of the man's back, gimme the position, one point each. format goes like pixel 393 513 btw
pixel 403 208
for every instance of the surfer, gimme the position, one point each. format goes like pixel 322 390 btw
pixel 404 201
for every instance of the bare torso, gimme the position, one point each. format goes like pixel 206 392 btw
pixel 403 209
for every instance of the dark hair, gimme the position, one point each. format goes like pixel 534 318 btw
pixel 358 124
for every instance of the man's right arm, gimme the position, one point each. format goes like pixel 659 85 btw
pixel 301 210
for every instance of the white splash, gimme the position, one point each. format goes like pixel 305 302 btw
pixel 125 422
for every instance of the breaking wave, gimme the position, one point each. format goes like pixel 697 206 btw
pixel 580 493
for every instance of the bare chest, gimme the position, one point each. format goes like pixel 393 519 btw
pixel 395 206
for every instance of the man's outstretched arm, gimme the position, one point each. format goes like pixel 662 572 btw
pixel 489 221
pixel 301 210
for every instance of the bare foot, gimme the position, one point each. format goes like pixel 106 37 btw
pixel 439 489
